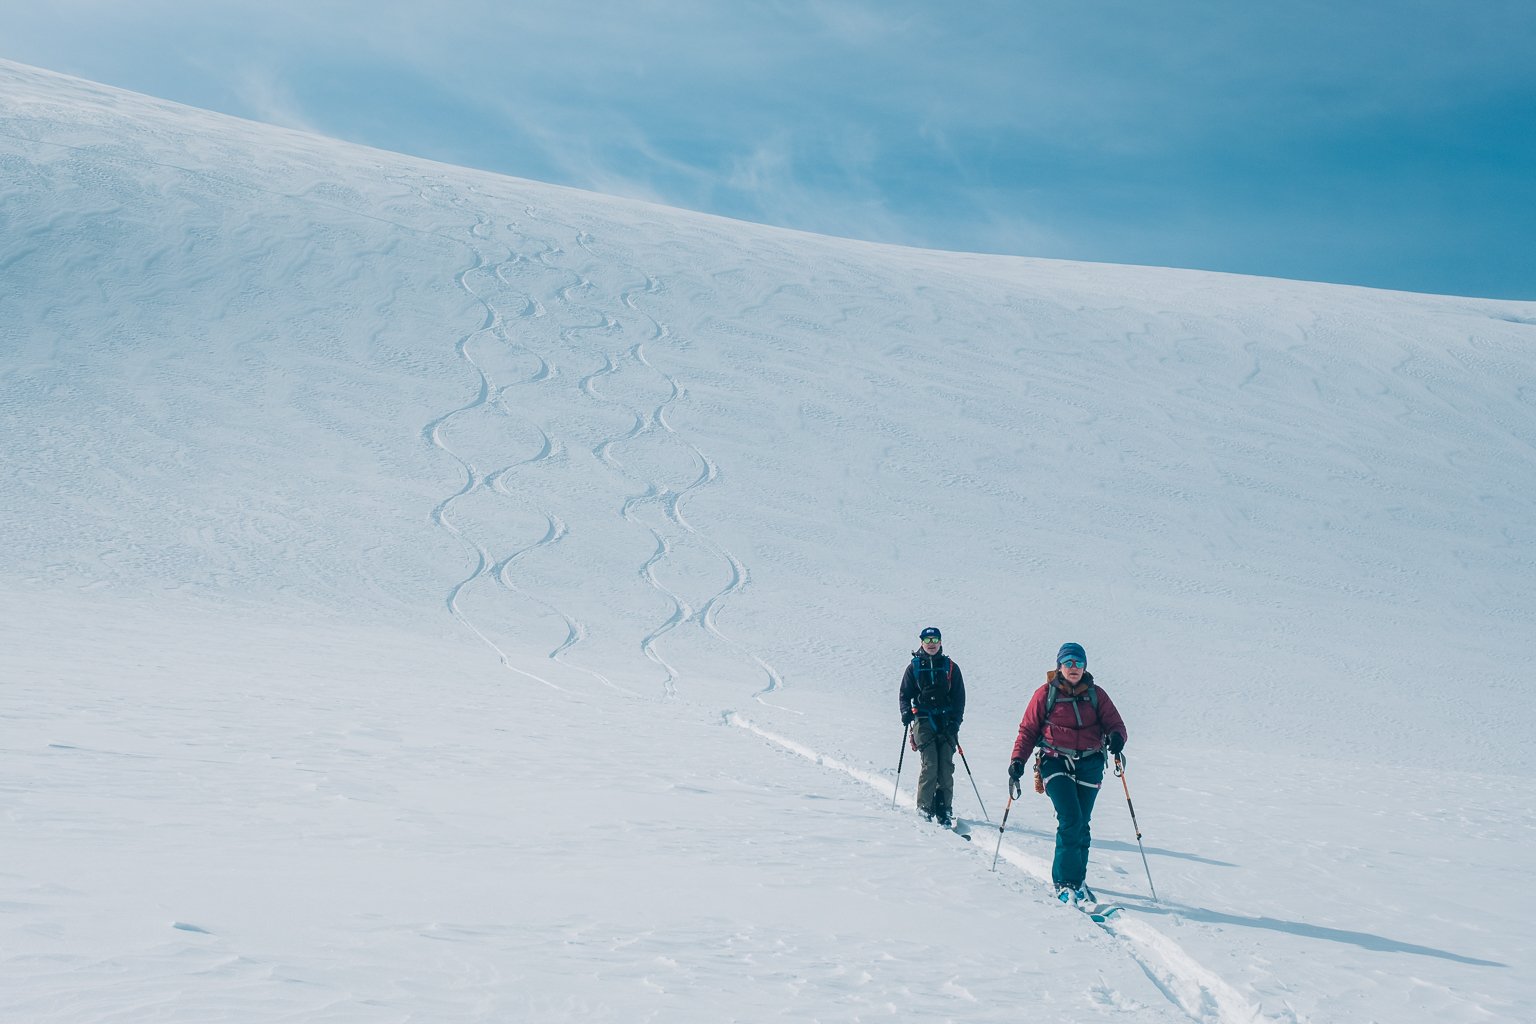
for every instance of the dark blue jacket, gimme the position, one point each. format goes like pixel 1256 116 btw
pixel 946 707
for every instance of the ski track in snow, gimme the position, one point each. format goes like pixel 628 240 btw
pixel 672 506
pixel 490 395
pixel 1198 992
pixel 588 335
pixel 653 423
pixel 433 433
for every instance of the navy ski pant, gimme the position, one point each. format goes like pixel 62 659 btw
pixel 1073 793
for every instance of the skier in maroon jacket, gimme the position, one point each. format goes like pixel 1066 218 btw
pixel 1071 719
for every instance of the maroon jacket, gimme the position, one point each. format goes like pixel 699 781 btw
pixel 1063 731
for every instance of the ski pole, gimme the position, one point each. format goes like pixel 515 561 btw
pixel 1120 771
pixel 905 731
pixel 1001 827
pixel 967 764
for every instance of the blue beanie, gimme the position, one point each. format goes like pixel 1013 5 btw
pixel 1072 651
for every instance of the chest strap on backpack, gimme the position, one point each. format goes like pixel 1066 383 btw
pixel 917 677
pixel 1091 695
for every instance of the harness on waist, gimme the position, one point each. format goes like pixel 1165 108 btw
pixel 1069 764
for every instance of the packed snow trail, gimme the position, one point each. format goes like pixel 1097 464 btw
pixel 1198 992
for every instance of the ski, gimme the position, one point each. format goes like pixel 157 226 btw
pixel 959 826
pixel 1092 907
pixel 1099 912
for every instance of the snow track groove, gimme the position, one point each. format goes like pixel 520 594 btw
pixel 574 330
pixel 599 320
pixel 473 479
pixel 493 396
pixel 1198 992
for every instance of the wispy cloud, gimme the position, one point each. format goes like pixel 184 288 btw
pixel 908 120
pixel 269 98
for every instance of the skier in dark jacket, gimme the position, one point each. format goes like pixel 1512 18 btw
pixel 1072 727
pixel 933 705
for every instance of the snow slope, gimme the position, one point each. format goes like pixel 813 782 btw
pixel 435 596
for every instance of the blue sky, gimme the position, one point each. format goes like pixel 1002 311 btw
pixel 1389 144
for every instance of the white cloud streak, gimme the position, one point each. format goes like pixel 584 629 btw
pixel 909 120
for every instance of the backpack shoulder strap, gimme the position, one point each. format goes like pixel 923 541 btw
pixel 1051 694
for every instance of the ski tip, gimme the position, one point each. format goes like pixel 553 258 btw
pixel 1101 912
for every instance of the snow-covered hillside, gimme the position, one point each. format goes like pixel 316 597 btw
pixel 430 595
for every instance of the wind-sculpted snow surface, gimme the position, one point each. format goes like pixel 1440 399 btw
pixel 390 549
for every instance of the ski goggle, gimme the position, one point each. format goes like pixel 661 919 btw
pixel 930 640
pixel 1074 663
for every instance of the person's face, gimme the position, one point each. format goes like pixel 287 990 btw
pixel 1072 670
pixel 931 645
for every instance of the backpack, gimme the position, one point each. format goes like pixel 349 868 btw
pixel 1092 697
pixel 932 690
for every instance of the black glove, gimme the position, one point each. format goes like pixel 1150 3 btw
pixel 1116 743
pixel 1015 771
pixel 906 717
